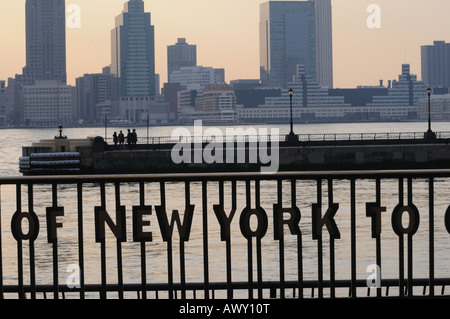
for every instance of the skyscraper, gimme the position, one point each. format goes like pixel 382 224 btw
pixel 287 39
pixel 45 40
pixel 133 51
pixel 324 39
pixel 436 64
pixel 180 55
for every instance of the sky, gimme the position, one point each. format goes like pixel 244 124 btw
pixel 226 33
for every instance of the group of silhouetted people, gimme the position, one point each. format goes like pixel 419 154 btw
pixel 119 139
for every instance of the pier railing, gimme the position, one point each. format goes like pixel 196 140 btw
pixel 390 137
pixel 286 235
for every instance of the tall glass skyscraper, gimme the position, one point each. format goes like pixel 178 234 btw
pixel 436 64
pixel 133 51
pixel 295 33
pixel 45 40
pixel 180 55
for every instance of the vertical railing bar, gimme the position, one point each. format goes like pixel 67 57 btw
pixel 378 236
pixel 353 235
pixel 400 241
pixel 169 246
pixel 119 245
pixel 1 249
pixel 319 244
pixel 431 233
pixel 258 243
pixel 249 245
pixel 332 248
pixel 31 247
pixel 410 243
pixel 205 238
pixel 54 246
pixel 182 250
pixel 299 242
pixel 281 241
pixel 143 251
pixel 80 238
pixel 21 290
pixel 103 292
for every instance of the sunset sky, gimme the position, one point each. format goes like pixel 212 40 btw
pixel 227 36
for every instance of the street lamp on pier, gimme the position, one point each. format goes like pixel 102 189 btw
pixel 291 137
pixel 430 134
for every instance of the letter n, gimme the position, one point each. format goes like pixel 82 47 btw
pixel 119 228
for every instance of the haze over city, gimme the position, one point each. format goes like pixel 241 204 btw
pixel 227 36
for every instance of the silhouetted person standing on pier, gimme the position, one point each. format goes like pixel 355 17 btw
pixel 115 139
pixel 129 139
pixel 134 135
pixel 121 140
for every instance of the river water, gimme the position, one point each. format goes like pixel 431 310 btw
pixel 11 141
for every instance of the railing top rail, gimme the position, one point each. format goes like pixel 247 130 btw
pixel 228 176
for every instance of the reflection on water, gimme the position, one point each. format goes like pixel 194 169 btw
pixel 156 251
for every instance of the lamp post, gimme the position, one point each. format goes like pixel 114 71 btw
pixel 430 134
pixel 291 94
pixel 291 138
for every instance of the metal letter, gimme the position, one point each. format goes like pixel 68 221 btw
pixel 118 229
pixel 318 221
pixel 184 229
pixel 33 226
pixel 52 213
pixel 244 223
pixel 279 222
pixel 414 219
pixel 374 211
pixel 224 221
pixel 139 235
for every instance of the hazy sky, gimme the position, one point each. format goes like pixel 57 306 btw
pixel 226 33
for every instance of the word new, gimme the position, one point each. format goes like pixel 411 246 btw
pixel 282 217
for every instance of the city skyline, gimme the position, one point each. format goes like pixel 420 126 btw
pixel 230 39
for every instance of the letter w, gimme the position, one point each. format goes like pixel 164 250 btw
pixel 184 229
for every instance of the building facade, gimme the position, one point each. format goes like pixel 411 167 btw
pixel 180 55
pixel 324 42
pixel 46 103
pixel 287 39
pixel 197 77
pixel 436 64
pixel 45 40
pixel 133 51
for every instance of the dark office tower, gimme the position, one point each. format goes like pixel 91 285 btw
pixel 287 39
pixel 180 55
pixel 45 40
pixel 324 39
pixel 133 51
pixel 436 64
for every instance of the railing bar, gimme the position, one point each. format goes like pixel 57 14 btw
pixel 103 246
pixel 143 250
pixel 80 238
pixel 182 250
pixel 162 188
pixel 1 249
pixel 410 243
pixel 21 291
pixel 332 248
pixel 401 263
pixel 119 244
pixel 31 246
pixel 249 245
pixel 353 234
pixel 431 233
pixel 319 244
pixel 205 238
pixel 378 236
pixel 258 243
pixel 281 241
pixel 54 245
pixel 299 242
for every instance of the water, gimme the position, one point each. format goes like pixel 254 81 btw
pixel 11 141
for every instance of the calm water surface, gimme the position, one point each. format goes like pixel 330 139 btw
pixel 11 141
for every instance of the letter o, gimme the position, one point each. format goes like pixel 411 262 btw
pixel 244 223
pixel 33 226
pixel 447 219
pixel 414 220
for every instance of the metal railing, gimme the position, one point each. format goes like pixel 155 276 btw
pixel 226 235
pixel 305 138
